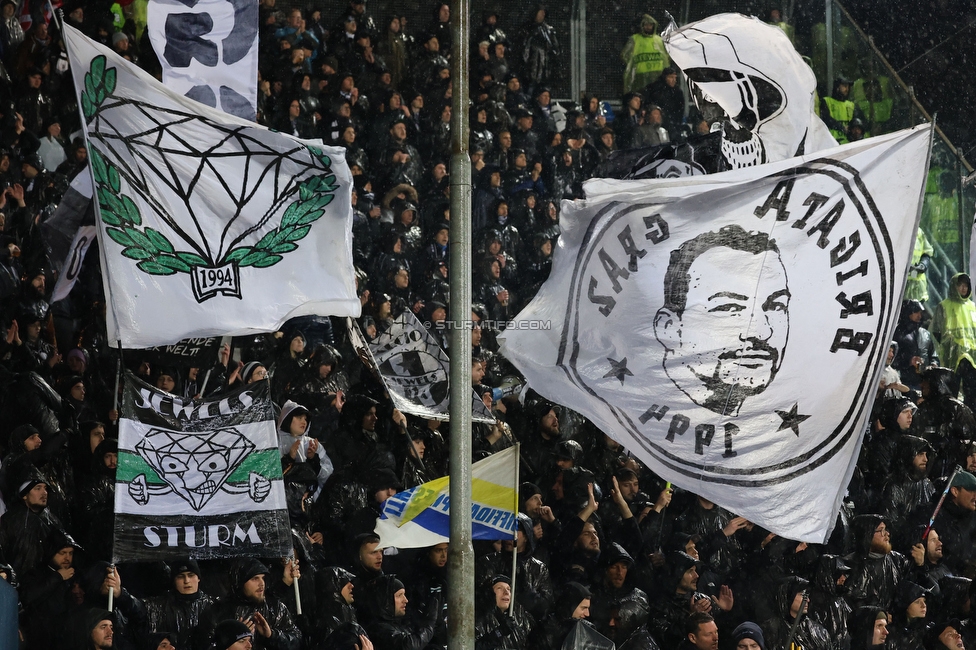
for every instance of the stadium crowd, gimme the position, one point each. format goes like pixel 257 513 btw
pixel 600 539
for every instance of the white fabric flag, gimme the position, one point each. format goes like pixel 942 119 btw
pixel 208 224
pixel 72 266
pixel 751 70
pixel 414 369
pixel 208 50
pixel 731 329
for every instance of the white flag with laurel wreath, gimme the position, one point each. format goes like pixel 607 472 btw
pixel 208 225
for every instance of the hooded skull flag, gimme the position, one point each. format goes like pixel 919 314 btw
pixel 208 225
pixel 731 329
pixel 200 479
pixel 748 74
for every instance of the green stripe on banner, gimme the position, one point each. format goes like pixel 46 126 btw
pixel 267 463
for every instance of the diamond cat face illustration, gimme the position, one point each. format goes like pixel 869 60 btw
pixel 195 465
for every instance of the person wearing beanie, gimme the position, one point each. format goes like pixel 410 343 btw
pixel 183 609
pixel 231 635
pixel 27 524
pixel 748 636
pixel 265 615
pixel 390 628
pixel 500 623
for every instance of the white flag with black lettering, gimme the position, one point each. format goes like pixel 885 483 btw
pixel 208 50
pixel 731 329
pixel 208 225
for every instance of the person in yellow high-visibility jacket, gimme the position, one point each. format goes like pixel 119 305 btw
pixel 875 99
pixel 917 285
pixel 838 110
pixel 644 56
pixel 954 327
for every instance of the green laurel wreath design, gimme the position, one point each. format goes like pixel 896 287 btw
pixel 154 253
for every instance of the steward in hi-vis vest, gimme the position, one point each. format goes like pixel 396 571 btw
pixel 838 110
pixel 644 56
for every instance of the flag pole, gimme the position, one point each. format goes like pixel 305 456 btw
pixel 460 608
pixel 938 506
pixel 511 605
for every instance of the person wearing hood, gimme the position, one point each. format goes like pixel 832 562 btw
pixel 572 605
pixel 335 603
pixel 942 419
pixel 429 574
pixel 954 598
pixel 617 608
pixel 46 592
pixel 916 345
pixel 679 598
pixel 908 617
pixel 500 623
pixel 129 613
pixel 954 327
pixel 869 628
pixel 945 635
pixel 533 587
pixel 876 569
pixel 908 488
pixel 95 498
pixel 808 633
pixel 720 548
pixel 265 616
pixel 390 627
pixel 365 437
pixel 827 603
pixel 297 447
pixel 877 456
pixel 97 631
pixel 539 447
pixel 956 523
pixel 184 610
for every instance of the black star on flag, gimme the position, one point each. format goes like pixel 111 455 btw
pixel 618 369
pixel 791 420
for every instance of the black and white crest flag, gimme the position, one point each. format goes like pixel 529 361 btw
pixel 730 329
pixel 208 50
pixel 199 478
pixel 414 368
pixel 208 225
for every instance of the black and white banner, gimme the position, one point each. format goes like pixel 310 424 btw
pixel 414 368
pixel 199 478
pixel 730 329
pixel 209 51
pixel 701 154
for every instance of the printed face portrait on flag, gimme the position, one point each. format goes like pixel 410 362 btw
pixel 720 344
pixel 729 329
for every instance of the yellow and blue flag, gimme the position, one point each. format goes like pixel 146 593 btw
pixel 420 516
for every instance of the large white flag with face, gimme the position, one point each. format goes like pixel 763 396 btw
pixel 731 329
pixel 208 224
pixel 208 50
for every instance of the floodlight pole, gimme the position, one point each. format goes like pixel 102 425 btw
pixel 460 608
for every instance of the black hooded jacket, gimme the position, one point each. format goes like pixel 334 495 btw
pixel 809 634
pixel 388 631
pixel 905 634
pixel 827 604
pixel 333 610
pixel 632 606
pixel 942 419
pixel 285 635
pixel 185 616
pixel 874 576
pixel 957 530
pixel 907 489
